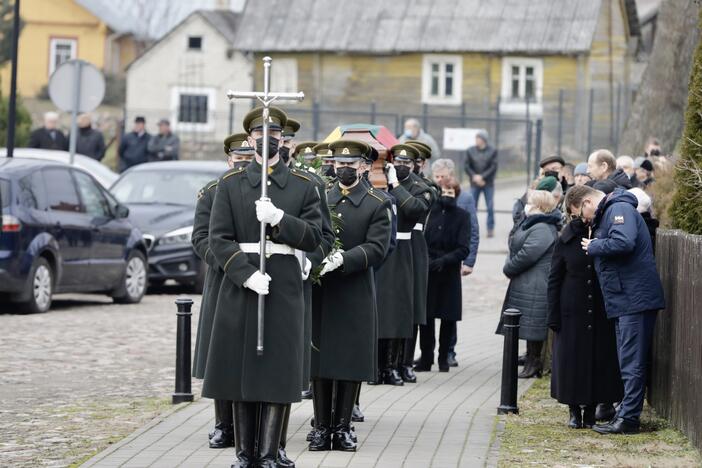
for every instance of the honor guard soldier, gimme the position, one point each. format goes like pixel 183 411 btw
pixel 344 329
pixel 327 167
pixel 262 386
pixel 395 277
pixel 239 154
pixel 287 145
pixel 424 155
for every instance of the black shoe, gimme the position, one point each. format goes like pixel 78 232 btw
pixel 576 417
pixel 407 374
pixel 605 412
pixel 311 434
pixel 283 460
pixel 532 368
pixel 352 431
pixel 223 437
pixel 451 360
pixel 342 440
pixel 443 367
pixel 589 416
pixel 306 394
pixel 391 377
pixel 321 439
pixel 357 415
pixel 618 426
pixel 422 366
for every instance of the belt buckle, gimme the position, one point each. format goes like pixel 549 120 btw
pixel 269 248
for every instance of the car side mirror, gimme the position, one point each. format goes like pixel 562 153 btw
pixel 121 211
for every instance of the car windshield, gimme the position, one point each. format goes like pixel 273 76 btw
pixel 174 187
pixel 4 193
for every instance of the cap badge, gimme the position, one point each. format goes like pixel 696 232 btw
pixel 345 151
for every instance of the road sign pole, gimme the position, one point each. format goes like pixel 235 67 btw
pixel 12 109
pixel 76 105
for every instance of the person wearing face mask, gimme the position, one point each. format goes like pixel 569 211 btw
pixel 326 169
pixel 396 316
pixel 287 143
pixel 261 386
pixel 448 236
pixel 585 371
pixel 621 248
pixel 414 131
pixel 345 326
pixel 239 153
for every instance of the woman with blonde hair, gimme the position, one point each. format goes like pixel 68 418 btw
pixel 527 266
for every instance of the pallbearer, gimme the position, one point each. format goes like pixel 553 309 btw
pixel 261 386
pixel 239 154
pixel 344 329
pixel 287 143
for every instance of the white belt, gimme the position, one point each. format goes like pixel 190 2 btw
pixel 404 235
pixel 272 248
pixel 418 227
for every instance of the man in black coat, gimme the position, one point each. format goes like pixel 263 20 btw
pixel 49 136
pixel 89 141
pixel 133 149
pixel 481 166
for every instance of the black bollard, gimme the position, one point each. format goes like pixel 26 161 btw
pixel 508 392
pixel 183 389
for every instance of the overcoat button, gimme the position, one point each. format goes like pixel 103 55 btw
pixel 589 327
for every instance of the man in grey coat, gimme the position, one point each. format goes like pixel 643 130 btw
pixel 164 146
pixel 481 166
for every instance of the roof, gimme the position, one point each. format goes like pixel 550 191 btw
pixel 385 26
pixel 10 165
pixel 186 166
pixel 109 13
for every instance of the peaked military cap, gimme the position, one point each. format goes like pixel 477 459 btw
pixel 404 152
pixel 349 150
pixel 307 149
pixel 238 143
pixel 291 127
pixel 277 119
pixel 423 150
pixel 323 150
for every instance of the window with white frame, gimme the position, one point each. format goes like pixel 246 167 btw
pixel 442 79
pixel 284 76
pixel 61 50
pixel 193 108
pixel 522 79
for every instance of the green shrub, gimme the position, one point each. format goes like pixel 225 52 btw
pixel 23 123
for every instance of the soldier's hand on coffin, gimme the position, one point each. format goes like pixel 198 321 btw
pixel 331 263
pixel 258 283
pixel 266 212
pixel 391 175
pixel 306 271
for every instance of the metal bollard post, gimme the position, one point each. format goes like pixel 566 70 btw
pixel 508 392
pixel 183 389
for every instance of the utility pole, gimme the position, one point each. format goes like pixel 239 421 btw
pixel 13 83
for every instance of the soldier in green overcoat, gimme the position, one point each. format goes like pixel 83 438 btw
pixel 239 154
pixel 396 315
pixel 261 386
pixel 344 330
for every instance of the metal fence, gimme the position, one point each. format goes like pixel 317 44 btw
pixel 676 381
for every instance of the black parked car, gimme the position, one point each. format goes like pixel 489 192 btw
pixel 161 197
pixel 63 232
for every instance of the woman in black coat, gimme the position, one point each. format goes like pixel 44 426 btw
pixel 585 366
pixel 448 240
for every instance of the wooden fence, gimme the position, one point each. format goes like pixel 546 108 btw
pixel 676 382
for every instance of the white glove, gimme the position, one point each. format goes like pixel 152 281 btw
pixel 266 212
pixel 331 263
pixel 307 269
pixel 258 283
pixel 392 175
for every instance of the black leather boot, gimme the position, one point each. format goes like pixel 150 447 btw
pixel 357 414
pixel 217 419
pixel 589 416
pixel 605 412
pixel 223 434
pixel 407 356
pixel 576 417
pixel 389 374
pixel 345 399
pixel 283 460
pixel 322 390
pixel 270 429
pixel 245 417
pixel 532 366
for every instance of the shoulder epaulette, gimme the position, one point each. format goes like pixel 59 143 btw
pixel 212 185
pixel 300 175
pixel 233 172
pixel 374 195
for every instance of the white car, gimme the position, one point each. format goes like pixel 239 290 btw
pixel 102 173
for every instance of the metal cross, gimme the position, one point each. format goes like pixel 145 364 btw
pixel 266 98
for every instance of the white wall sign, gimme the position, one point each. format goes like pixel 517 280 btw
pixel 459 138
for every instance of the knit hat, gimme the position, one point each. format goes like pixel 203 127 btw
pixel 580 169
pixel 644 200
pixel 547 183
pixel 483 135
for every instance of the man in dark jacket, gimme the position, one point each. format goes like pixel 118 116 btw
pixel 165 146
pixel 89 141
pixel 133 147
pixel 481 166
pixel 48 136
pixel 602 165
pixel 631 287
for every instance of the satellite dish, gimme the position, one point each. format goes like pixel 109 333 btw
pixel 77 86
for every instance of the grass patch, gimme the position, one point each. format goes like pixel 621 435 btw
pixel 539 436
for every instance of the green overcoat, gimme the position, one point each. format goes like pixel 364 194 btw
pixel 420 253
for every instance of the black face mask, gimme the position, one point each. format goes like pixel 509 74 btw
pixel 273 143
pixel 284 153
pixel 240 164
pixel 447 201
pixel 403 172
pixel 655 152
pixel 328 170
pixel 347 175
pixel 551 174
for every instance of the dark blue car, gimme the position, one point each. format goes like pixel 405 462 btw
pixel 63 232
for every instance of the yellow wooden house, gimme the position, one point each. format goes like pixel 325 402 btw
pixel 451 57
pixel 55 31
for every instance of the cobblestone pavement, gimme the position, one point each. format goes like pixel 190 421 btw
pixel 88 373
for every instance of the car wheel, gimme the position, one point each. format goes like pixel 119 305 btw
pixel 41 283
pixel 133 284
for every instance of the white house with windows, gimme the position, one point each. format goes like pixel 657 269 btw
pixel 184 77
